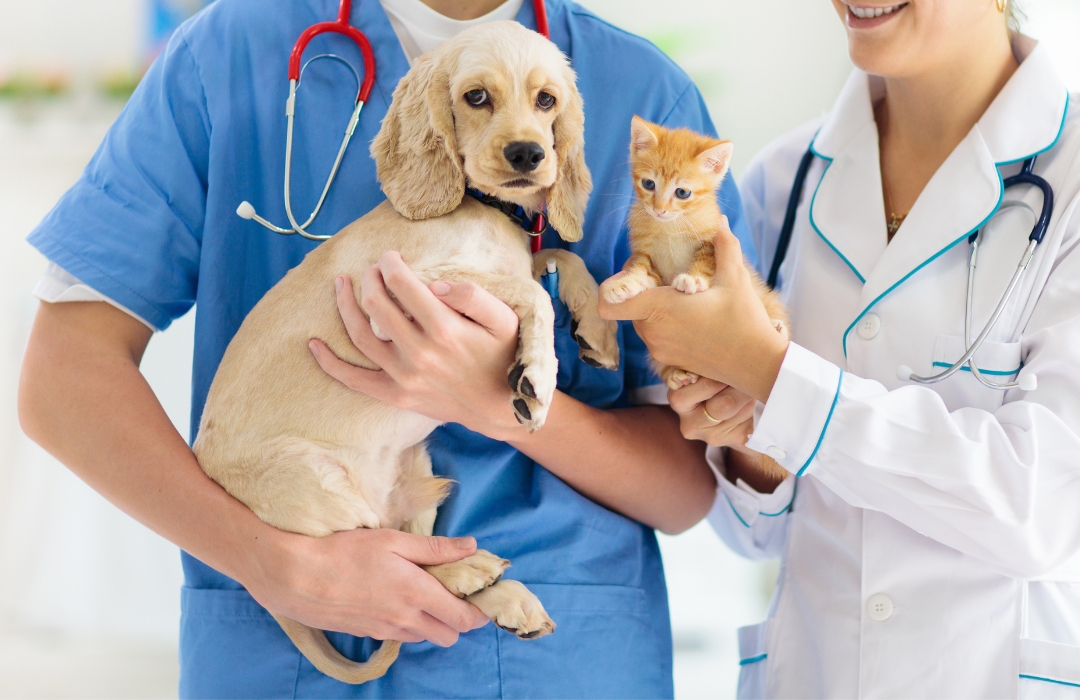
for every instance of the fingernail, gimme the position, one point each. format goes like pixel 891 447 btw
pixel 440 288
pixel 339 283
pixel 314 347
pixel 464 543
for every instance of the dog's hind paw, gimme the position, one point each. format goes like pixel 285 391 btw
pixel 597 339
pixel 514 608
pixel 471 574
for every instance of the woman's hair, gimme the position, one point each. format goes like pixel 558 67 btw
pixel 1015 14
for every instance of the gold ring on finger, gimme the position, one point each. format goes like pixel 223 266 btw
pixel 709 416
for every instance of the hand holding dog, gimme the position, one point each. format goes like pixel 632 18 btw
pixel 367 583
pixel 448 362
pixel 723 332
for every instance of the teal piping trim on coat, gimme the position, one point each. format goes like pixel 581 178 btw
pixel 828 419
pixel 760 657
pixel 993 372
pixel 813 224
pixel 1061 130
pixel 767 515
pixel 1030 678
pixel 932 258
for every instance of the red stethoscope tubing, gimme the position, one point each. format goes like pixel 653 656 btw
pixel 341 26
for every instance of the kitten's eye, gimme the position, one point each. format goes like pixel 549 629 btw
pixel 477 98
pixel 649 185
pixel 545 101
pixel 682 193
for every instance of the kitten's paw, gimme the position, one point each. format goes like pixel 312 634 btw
pixel 691 284
pixel 680 378
pixel 514 608
pixel 471 574
pixel 781 327
pixel 620 288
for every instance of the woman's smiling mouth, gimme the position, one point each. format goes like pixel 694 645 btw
pixel 865 16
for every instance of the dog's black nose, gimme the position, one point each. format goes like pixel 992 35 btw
pixel 524 156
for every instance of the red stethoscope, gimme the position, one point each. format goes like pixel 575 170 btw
pixel 339 26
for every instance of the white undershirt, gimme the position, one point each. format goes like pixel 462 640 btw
pixel 419 29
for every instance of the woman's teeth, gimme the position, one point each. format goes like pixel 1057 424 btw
pixel 871 12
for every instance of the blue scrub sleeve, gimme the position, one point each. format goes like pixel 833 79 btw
pixel 131 226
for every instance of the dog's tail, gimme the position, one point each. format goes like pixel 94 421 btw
pixel 314 645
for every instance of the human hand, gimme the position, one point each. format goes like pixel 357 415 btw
pixel 448 363
pixel 731 411
pixel 723 332
pixel 367 583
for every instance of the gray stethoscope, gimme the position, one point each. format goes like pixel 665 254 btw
pixel 1026 382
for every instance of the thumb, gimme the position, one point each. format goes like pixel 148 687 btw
pixel 728 254
pixel 472 300
pixel 430 551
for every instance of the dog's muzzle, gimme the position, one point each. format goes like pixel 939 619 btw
pixel 524 156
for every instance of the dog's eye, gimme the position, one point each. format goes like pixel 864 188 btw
pixel 477 97
pixel 545 101
pixel 682 193
pixel 648 184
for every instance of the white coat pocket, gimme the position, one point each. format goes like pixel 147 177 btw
pixel 753 660
pixel 1049 670
pixel 998 362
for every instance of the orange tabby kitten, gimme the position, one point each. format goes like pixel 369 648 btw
pixel 673 221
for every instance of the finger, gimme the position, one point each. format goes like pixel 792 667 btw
pixel 431 629
pixel 731 430
pixel 728 403
pixel 478 304
pixel 374 383
pixel 686 398
pixel 458 615
pixel 384 311
pixel 644 306
pixel 357 324
pixel 728 254
pixel 412 294
pixel 429 551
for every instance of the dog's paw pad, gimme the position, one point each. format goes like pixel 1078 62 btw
pixel 470 575
pixel 597 339
pixel 514 608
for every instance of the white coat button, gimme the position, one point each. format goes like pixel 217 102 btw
pixel 879 607
pixel 869 326
pixel 775 452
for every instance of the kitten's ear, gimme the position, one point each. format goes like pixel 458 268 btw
pixel 715 160
pixel 642 137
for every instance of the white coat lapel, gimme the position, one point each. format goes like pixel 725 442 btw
pixel 847 210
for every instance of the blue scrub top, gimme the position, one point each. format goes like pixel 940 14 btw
pixel 152 224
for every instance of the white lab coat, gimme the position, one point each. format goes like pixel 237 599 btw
pixel 932 544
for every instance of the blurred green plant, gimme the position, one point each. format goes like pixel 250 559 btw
pixel 685 46
pixel 33 86
pixel 119 85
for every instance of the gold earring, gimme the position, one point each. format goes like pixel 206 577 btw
pixel 1001 6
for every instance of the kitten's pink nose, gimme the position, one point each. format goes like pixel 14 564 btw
pixel 660 212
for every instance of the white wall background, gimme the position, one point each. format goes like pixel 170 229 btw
pixel 86 590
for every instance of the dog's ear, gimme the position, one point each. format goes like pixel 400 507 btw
pixel 415 151
pixel 569 195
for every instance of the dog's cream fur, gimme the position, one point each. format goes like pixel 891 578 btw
pixel 309 455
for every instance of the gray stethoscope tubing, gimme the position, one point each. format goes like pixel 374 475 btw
pixel 247 211
pixel 1026 176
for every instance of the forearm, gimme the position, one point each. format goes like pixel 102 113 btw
pixel 632 460
pixel 84 400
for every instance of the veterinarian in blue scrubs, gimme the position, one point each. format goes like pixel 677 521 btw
pixel 151 225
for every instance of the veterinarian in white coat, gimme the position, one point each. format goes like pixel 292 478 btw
pixel 930 535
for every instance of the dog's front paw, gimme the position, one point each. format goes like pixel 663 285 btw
pixel 514 608
pixel 471 574
pixel 690 284
pixel 619 288
pixel 597 340
pixel 532 379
